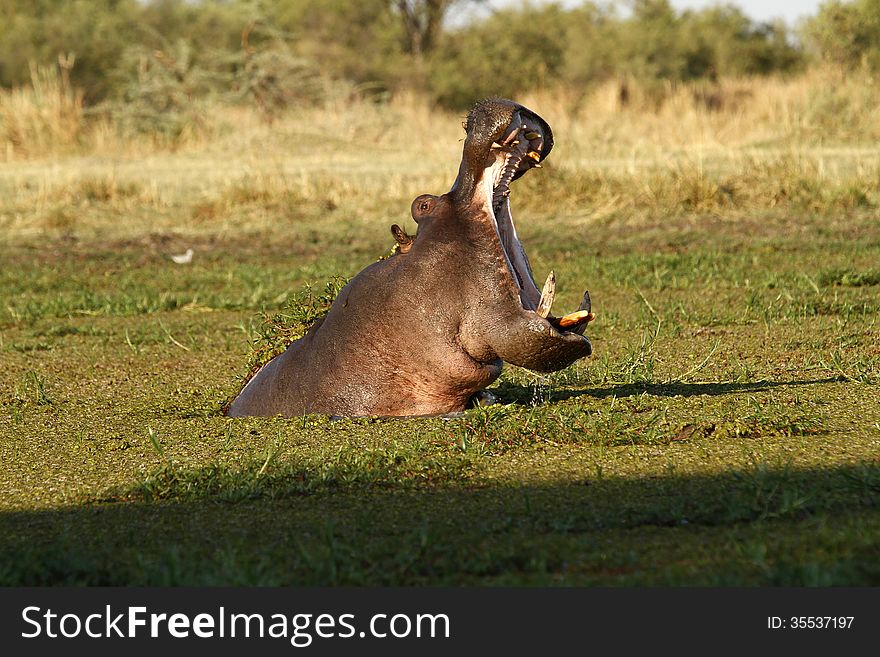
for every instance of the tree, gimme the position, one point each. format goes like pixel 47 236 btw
pixel 423 22
pixel 847 33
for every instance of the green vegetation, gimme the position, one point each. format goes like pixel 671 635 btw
pixel 152 66
pixel 847 34
pixel 148 58
pixel 282 328
pixel 726 430
pixel 735 443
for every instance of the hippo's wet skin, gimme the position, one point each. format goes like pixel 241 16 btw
pixel 423 331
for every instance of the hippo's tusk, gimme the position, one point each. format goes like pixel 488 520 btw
pixel 535 155
pixel 532 135
pixel 547 295
pixel 576 322
pixel 586 304
pixel 575 319
pixel 511 137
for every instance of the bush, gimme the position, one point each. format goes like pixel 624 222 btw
pixel 507 54
pixel 162 55
pixel 519 50
pixel 847 34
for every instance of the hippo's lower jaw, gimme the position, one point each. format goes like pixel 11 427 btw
pixel 522 144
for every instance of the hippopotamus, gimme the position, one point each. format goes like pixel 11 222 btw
pixel 425 330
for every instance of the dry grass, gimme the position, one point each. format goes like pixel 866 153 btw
pixel 43 118
pixel 806 144
pixel 819 107
pixel 619 119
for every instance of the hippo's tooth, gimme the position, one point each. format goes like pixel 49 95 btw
pixel 511 137
pixel 532 135
pixel 547 295
pixel 586 304
pixel 576 318
pixel 535 155
pixel 581 324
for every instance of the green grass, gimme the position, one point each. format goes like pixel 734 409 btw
pixel 726 430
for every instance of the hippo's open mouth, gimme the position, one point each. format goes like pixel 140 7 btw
pixel 515 149
pixel 519 150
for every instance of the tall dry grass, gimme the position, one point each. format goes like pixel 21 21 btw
pixel 612 120
pixel 43 118
pixel 818 107
pixel 804 144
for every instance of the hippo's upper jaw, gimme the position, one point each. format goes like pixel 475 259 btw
pixel 504 141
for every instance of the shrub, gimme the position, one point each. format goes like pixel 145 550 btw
pixel 847 34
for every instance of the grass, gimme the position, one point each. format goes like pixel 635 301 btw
pixel 726 431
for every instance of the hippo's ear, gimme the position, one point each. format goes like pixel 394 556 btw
pixel 402 238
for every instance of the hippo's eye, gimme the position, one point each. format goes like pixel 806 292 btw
pixel 424 205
